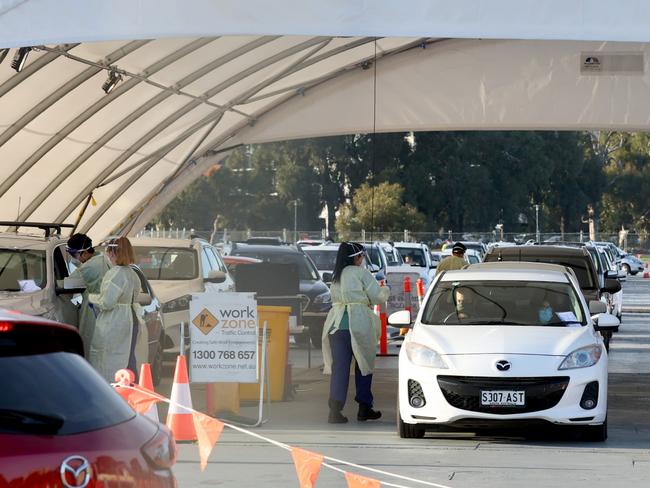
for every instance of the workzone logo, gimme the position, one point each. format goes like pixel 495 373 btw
pixel 241 320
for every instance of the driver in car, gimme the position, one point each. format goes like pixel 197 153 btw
pixel 465 303
pixel 545 312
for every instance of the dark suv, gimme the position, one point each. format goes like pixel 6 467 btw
pixel 311 284
pixel 576 258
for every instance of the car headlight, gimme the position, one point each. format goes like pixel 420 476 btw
pixel 323 298
pixel 423 356
pixel 582 358
pixel 177 304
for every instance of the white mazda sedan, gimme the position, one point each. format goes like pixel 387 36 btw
pixel 504 342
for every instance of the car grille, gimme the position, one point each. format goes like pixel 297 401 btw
pixel 541 393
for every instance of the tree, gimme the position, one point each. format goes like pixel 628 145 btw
pixel 379 209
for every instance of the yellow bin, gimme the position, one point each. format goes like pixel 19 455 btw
pixel 277 350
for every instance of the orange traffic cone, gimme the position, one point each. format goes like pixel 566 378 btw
pixel 146 381
pixel 179 419
pixel 124 377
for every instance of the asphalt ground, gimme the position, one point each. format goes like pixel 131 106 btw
pixel 455 459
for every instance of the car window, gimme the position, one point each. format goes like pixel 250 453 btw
pixel 217 256
pixel 306 268
pixel 61 268
pixel 71 398
pixel 215 263
pixel 22 270
pixel 374 255
pixel 581 265
pixel 167 263
pixel 504 303
pixel 323 259
pixel 206 265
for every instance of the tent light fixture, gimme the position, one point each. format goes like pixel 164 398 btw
pixel 20 58
pixel 111 82
pixel 3 54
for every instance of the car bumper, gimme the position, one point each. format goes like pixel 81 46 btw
pixel 453 395
pixel 173 321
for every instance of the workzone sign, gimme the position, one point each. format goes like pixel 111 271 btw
pixel 223 338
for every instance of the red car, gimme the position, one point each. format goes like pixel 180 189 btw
pixel 61 424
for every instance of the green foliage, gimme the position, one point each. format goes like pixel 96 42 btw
pixel 432 180
pixel 379 207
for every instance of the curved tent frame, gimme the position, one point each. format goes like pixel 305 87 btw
pixel 189 95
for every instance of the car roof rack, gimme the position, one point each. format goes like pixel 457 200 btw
pixel 47 227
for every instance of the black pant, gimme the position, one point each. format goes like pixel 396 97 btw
pixel 133 365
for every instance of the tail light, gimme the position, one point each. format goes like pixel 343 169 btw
pixel 6 326
pixel 160 451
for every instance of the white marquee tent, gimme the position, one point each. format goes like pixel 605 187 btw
pixel 200 77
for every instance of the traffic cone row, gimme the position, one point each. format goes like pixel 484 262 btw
pixel 179 418
pixel 419 287
pixel 146 381
pixel 407 302
pixel 380 310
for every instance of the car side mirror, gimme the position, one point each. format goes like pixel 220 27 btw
pixel 597 307
pixel 611 274
pixel 612 286
pixel 327 276
pixel 144 299
pixel 215 276
pixel 605 322
pixel 373 268
pixel 401 318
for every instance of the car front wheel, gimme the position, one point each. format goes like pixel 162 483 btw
pixel 595 433
pixel 407 431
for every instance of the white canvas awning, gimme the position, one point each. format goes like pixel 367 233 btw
pixel 205 76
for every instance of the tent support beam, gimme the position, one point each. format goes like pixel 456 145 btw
pixel 151 133
pixel 63 90
pixel 92 110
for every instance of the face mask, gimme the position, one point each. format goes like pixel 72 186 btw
pixel 75 261
pixel 545 314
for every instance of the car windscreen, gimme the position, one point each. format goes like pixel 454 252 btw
pixel 373 254
pixel 393 257
pixel 413 256
pixel 167 263
pixel 522 303
pixel 70 398
pixel 306 269
pixel 22 271
pixel 323 259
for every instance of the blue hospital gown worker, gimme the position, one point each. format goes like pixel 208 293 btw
pixel 352 330
pixel 91 268
pixel 117 325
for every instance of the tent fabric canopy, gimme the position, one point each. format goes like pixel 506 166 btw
pixel 189 94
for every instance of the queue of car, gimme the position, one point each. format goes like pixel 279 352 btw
pixel 522 336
